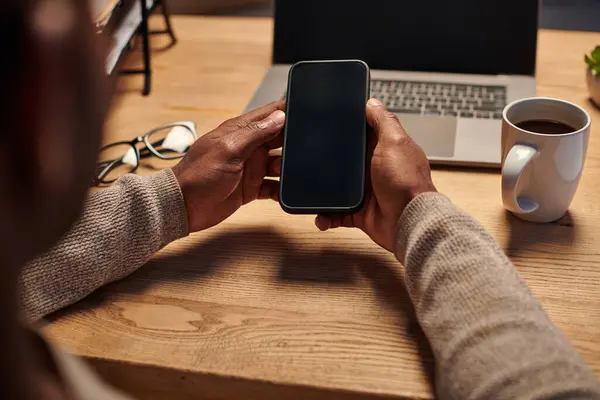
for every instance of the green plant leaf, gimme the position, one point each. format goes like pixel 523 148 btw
pixel 589 61
pixel 596 54
pixel 596 69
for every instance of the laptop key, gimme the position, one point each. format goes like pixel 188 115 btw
pixel 433 112
pixel 486 108
pixel 462 99
pixel 466 114
pixel 450 113
pixel 498 115
pixel 407 110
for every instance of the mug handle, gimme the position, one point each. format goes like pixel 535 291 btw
pixel 517 159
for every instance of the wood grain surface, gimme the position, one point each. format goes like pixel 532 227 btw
pixel 266 306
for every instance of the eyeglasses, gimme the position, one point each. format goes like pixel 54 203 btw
pixel 167 142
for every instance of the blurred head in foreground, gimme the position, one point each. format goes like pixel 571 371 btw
pixel 54 102
pixel 54 99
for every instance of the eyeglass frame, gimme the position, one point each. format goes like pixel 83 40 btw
pixel 99 178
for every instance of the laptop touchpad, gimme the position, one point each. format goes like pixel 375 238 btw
pixel 436 135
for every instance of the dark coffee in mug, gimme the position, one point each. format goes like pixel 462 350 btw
pixel 546 126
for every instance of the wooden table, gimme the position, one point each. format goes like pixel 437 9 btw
pixel 265 306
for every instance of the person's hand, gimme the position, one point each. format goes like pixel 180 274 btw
pixel 399 171
pixel 226 168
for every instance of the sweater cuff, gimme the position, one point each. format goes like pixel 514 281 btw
pixel 171 206
pixel 431 206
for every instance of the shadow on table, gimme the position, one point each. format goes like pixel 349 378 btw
pixel 329 268
pixel 387 282
pixel 529 236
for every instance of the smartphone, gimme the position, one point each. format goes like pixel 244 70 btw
pixel 324 153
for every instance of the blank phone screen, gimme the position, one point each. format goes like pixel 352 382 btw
pixel 325 137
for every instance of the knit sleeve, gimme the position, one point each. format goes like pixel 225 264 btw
pixel 490 337
pixel 120 229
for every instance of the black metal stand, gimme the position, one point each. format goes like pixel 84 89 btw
pixel 168 27
pixel 145 32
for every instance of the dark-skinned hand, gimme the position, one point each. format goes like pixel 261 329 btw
pixel 399 171
pixel 227 167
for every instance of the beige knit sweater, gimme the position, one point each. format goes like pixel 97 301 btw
pixel 490 337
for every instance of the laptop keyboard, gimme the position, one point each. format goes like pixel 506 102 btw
pixel 442 99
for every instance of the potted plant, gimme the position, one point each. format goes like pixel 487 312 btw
pixel 593 76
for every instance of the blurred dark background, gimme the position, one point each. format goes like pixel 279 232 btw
pixel 583 15
pixel 579 15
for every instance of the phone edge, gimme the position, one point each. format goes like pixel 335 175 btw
pixel 341 210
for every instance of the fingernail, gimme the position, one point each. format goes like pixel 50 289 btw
pixel 375 103
pixel 277 119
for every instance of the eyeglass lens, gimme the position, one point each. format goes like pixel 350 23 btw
pixel 168 143
pixel 171 142
pixel 115 161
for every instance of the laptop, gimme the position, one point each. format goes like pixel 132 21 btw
pixel 447 68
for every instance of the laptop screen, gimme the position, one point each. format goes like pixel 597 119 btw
pixel 459 36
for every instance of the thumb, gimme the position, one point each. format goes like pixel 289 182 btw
pixel 385 124
pixel 256 134
pixel 326 222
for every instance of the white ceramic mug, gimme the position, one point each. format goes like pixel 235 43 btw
pixel 540 171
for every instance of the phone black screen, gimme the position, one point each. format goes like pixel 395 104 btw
pixel 324 155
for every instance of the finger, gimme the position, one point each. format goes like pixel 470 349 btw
pixel 260 114
pixel 323 222
pixel 348 221
pixel 274 166
pixel 276 143
pixel 255 169
pixel 326 222
pixel 263 112
pixel 342 221
pixel 242 142
pixel 385 124
pixel 269 190
pixel 336 221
